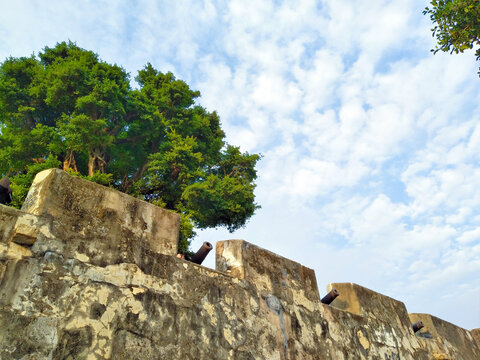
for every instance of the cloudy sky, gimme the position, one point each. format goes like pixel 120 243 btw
pixel 370 143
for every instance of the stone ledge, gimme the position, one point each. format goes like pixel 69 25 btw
pixel 18 231
pixel 8 218
pixel 26 229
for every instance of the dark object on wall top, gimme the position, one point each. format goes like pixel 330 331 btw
pixel 5 191
pixel 202 253
pixel 327 299
pixel 417 326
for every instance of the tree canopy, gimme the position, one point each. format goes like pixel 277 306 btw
pixel 457 25
pixel 69 109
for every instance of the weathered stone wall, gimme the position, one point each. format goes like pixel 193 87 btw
pixel 476 335
pixel 89 273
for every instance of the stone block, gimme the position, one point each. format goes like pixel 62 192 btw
pixel 270 273
pixel 16 252
pixel 97 224
pixel 11 235
pixel 25 231
pixel 359 300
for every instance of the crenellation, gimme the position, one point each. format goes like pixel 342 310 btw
pixel 99 225
pixel 87 272
pixel 269 272
pixel 368 303
pixel 444 337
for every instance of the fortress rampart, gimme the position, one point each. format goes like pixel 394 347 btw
pixel 87 272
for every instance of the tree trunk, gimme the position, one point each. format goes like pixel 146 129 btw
pixel 96 162
pixel 140 171
pixel 69 163
pixel 127 183
pixel 174 173
pixel 91 163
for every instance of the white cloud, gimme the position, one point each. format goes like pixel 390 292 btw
pixel 470 236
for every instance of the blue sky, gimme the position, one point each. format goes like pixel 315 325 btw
pixel 371 143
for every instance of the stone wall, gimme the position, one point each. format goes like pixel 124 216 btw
pixel 87 272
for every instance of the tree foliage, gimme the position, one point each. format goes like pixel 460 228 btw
pixel 457 25
pixel 69 109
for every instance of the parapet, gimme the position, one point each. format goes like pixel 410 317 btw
pixel 268 272
pixel 98 225
pixel 443 337
pixel 368 303
pixel 87 272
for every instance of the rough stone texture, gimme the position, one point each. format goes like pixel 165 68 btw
pixel 8 218
pixel 88 273
pixel 476 335
pixel 367 303
pixel 270 273
pixel 14 231
pixel 443 339
pixel 98 225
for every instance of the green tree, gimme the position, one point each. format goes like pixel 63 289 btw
pixel 186 165
pixel 68 108
pixel 457 25
pixel 25 125
pixel 89 97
